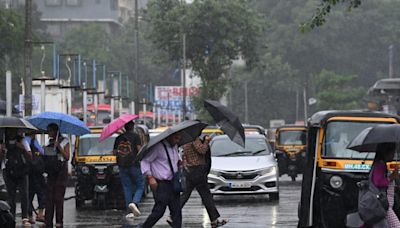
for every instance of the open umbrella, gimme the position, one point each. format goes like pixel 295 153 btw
pixel 67 124
pixel 116 125
pixel 15 122
pixel 189 129
pixel 226 120
pixel 369 138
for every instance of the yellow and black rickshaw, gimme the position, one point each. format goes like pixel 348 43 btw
pixel 329 188
pixel 290 149
pixel 97 172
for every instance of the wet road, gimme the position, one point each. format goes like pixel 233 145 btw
pixel 241 211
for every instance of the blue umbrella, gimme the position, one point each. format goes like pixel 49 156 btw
pixel 67 124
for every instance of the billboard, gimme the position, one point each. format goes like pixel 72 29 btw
pixel 170 97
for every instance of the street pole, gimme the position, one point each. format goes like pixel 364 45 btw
pixel 120 93
pixel 305 105
pixel 96 106
pixel 297 104
pixel 8 93
pixel 246 105
pixel 391 50
pixel 42 105
pixel 184 76
pixel 84 102
pixel 158 116
pixel 136 81
pixel 154 116
pixel 144 111
pixel 28 58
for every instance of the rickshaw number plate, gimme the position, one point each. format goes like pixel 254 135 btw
pixel 240 185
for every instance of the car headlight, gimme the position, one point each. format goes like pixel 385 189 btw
pixel 270 170
pixel 215 172
pixel 85 170
pixel 336 182
pixel 115 169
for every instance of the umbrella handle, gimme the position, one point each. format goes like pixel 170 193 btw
pixel 55 148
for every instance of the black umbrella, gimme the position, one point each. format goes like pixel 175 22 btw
pixel 369 138
pixel 189 130
pixel 15 122
pixel 226 120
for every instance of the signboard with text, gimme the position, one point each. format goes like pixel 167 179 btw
pixel 170 97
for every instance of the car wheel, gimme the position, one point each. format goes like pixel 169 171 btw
pixel 274 196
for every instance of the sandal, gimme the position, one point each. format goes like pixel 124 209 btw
pixel 26 223
pixel 218 223
pixel 169 221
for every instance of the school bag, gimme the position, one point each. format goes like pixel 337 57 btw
pixel 126 154
pixel 16 165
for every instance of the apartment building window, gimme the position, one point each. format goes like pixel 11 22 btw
pixel 53 2
pixel 73 2
pixel 114 4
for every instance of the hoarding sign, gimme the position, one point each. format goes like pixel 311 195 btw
pixel 170 97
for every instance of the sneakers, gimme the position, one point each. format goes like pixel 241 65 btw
pixel 130 216
pixel 134 209
pixel 26 223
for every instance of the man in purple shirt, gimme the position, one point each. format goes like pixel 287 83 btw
pixel 156 168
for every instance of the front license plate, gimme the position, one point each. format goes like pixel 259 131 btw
pixel 240 185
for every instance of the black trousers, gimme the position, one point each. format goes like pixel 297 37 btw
pixel 163 197
pixel 37 185
pixel 12 184
pixel 196 177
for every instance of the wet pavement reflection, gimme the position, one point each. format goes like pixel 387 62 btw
pixel 242 211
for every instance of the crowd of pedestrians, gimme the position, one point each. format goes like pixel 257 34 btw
pixel 42 171
pixel 26 163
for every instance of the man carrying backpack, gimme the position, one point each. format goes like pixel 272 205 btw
pixel 126 147
pixel 17 154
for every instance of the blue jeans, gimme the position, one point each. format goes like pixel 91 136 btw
pixel 132 177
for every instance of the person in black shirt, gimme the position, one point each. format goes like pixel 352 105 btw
pixel 17 154
pixel 126 147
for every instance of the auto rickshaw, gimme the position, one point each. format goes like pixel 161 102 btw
pixel 290 149
pixel 212 131
pixel 97 172
pixel 329 189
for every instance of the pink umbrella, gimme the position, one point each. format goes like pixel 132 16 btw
pixel 116 125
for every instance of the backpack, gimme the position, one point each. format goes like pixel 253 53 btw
pixel 16 165
pixel 126 154
pixel 52 165
pixel 37 163
pixel 372 202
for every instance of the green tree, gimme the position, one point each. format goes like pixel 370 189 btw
pixel 335 91
pixel 271 91
pixel 12 32
pixel 217 32
pixel 319 17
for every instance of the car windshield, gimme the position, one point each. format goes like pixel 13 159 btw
pixel 89 145
pixel 338 135
pixel 292 137
pixel 225 147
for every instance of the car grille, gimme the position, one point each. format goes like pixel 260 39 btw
pixel 228 189
pixel 239 175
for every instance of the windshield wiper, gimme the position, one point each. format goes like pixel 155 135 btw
pixel 258 151
pixel 235 153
